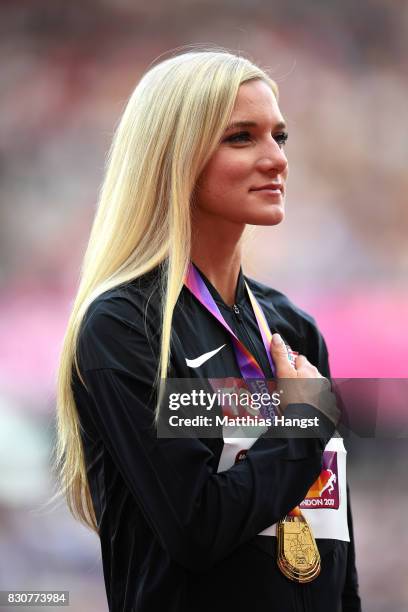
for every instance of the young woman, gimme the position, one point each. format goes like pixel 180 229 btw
pixel 189 524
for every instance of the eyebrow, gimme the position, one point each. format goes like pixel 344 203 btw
pixel 246 124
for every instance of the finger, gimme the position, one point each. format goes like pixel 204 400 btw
pixel 301 362
pixel 280 357
pixel 305 368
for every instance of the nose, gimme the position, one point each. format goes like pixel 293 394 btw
pixel 273 159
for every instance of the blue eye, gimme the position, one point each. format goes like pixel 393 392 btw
pixel 239 137
pixel 281 138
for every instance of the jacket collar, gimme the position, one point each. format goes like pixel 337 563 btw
pixel 240 291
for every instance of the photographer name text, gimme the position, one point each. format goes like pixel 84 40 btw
pixel 242 421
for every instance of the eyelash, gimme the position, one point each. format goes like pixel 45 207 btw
pixel 280 138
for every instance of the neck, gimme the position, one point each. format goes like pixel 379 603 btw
pixel 216 250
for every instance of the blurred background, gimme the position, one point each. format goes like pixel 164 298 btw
pixel 66 70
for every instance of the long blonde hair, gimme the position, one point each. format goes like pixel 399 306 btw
pixel 168 131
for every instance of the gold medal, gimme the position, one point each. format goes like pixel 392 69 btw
pixel 298 555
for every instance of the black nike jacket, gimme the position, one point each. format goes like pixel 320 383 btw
pixel 176 535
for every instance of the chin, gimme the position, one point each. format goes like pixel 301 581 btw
pixel 271 217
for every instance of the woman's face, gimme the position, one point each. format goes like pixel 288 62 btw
pixel 244 180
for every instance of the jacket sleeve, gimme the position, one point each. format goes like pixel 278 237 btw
pixel 198 515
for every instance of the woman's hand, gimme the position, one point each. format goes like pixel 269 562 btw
pixel 309 386
pixel 284 368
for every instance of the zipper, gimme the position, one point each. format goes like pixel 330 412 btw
pixel 248 343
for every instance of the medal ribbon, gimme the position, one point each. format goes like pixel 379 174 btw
pixel 247 363
pixel 263 327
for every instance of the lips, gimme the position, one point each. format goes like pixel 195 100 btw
pixel 269 187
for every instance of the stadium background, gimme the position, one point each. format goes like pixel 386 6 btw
pixel 67 69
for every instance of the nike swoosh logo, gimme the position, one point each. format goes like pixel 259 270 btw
pixel 198 361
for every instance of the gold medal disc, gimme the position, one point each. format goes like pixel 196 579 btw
pixel 298 555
